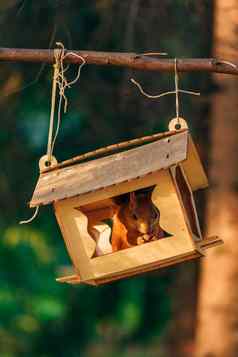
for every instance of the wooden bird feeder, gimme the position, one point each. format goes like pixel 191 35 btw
pixel 83 195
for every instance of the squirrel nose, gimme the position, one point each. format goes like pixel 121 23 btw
pixel 143 227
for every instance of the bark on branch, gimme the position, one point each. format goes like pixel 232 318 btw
pixel 131 60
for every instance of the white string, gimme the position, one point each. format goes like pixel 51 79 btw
pixel 176 91
pixel 233 65
pixel 32 218
pixel 52 112
pixel 61 83
pixel 161 94
pixel 154 54
pixel 176 79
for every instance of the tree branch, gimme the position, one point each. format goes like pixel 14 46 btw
pixel 131 60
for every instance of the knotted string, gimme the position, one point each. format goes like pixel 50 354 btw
pixel 61 83
pixel 176 91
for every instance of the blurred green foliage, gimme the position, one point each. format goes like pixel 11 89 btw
pixel 39 317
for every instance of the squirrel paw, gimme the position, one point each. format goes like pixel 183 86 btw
pixel 140 240
pixel 145 238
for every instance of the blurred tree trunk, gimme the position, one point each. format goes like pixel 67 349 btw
pixel 217 330
pixel 179 340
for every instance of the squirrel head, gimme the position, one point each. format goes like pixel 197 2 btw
pixel 140 213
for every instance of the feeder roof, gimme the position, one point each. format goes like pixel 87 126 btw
pixel 77 179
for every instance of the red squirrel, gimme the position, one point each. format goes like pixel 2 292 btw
pixel 136 222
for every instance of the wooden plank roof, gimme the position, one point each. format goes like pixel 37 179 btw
pixel 114 169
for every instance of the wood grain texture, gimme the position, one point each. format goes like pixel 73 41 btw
pixel 96 197
pixel 185 195
pixel 138 258
pixel 75 279
pixel 172 215
pixel 79 243
pixel 206 243
pixel 111 170
pixel 125 145
pixel 193 168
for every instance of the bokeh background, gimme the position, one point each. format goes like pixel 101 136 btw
pixel 158 314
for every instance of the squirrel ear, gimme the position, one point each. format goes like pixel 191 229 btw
pixel 150 191
pixel 149 194
pixel 132 202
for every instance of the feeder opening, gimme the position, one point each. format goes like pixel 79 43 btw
pixel 124 221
